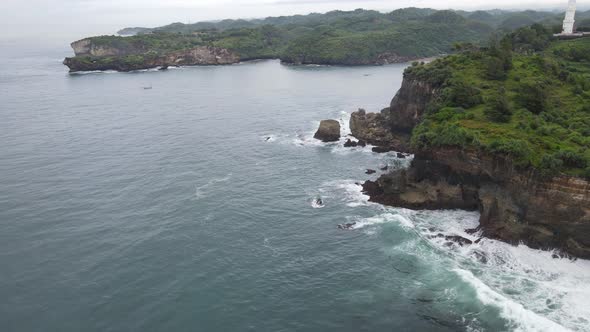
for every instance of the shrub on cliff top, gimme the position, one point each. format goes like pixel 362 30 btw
pixel 512 147
pixel 533 97
pixel 462 94
pixel 497 107
pixel 550 166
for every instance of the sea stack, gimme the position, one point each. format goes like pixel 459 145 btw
pixel 329 131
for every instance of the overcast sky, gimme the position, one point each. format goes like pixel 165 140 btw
pixel 72 19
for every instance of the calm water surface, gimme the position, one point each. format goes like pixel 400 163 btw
pixel 188 207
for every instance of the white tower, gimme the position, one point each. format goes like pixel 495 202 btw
pixel 568 23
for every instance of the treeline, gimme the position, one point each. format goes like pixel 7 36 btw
pixel 338 37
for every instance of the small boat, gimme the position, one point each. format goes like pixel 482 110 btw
pixel 147 87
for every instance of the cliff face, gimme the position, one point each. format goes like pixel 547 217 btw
pixel 204 55
pixel 392 127
pixel 408 106
pixel 86 47
pixel 516 205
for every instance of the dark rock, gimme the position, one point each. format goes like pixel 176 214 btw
pixel 382 149
pixel 401 155
pixel 371 171
pixel 347 226
pixel 458 239
pixel 374 128
pixel 480 256
pixel 384 168
pixel 350 144
pixel 329 131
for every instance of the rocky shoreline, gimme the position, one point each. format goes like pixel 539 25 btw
pixel 90 56
pixel 516 205
pixel 102 59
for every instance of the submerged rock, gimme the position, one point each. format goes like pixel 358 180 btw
pixel 371 171
pixel 347 226
pixel 329 131
pixel 352 144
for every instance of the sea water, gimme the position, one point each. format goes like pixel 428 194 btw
pixel 192 206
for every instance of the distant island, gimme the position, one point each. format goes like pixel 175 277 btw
pixel 360 37
pixel 502 129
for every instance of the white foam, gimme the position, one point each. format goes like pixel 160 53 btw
pixel 200 192
pixel 521 318
pixel 533 290
pixel 353 193
pixel 384 219
pixel 89 72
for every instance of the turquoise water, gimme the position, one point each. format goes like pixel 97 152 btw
pixel 125 209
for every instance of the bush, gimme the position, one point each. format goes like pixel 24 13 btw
pixel 515 148
pixel 533 97
pixel 572 159
pixel 495 69
pixel 464 95
pixel 445 134
pixel 497 108
pixel 550 166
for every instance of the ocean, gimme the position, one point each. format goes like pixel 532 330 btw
pixel 190 207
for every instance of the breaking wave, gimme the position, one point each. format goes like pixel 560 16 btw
pixel 532 290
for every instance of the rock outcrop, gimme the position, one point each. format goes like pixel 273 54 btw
pixel 90 57
pixel 409 104
pixel 329 131
pixel 391 129
pixel 516 205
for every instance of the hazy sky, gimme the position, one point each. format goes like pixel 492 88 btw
pixel 62 19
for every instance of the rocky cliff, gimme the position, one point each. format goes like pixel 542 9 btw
pixel 392 127
pixel 92 58
pixel 516 204
pixel 86 47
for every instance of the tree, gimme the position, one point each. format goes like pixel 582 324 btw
pixel 495 68
pixel 497 107
pixel 464 95
pixel 533 97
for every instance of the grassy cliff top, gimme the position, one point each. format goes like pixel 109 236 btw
pixel 526 96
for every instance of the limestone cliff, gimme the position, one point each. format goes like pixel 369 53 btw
pixel 86 47
pixel 516 204
pixel 92 58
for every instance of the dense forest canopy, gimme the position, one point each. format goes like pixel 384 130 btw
pixel 337 37
pixel 526 96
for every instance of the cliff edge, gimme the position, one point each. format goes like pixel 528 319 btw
pixel 530 184
pixel 92 55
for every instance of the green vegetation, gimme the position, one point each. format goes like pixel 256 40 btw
pixel 526 96
pixel 339 37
